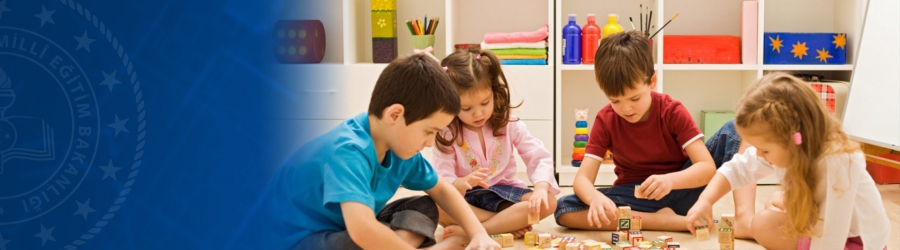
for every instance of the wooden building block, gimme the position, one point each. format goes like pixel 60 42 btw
pixel 533 220
pixel 543 240
pixel 619 236
pixel 530 239
pixel 624 224
pixel 638 194
pixel 665 238
pixel 702 233
pixel 659 243
pixel 724 246
pixel 726 236
pixel 636 223
pixel 508 240
pixel 727 221
pixel 624 212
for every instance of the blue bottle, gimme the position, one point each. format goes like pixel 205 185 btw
pixel 571 42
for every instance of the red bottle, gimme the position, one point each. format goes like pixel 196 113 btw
pixel 590 39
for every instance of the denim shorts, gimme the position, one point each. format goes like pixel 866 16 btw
pixel 722 145
pixel 417 214
pixel 491 198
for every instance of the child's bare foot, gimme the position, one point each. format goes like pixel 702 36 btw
pixel 453 230
pixel 521 232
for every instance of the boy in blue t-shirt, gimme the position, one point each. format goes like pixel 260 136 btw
pixel 332 192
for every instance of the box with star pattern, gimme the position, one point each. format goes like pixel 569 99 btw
pixel 804 48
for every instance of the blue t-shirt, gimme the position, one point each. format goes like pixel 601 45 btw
pixel 341 166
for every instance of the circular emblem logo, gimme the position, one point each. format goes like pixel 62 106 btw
pixel 71 125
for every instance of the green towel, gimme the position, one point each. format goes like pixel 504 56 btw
pixel 520 51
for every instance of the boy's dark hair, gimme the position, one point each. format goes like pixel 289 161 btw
pixel 621 61
pixel 419 84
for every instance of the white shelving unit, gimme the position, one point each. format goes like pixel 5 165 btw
pixel 344 81
pixel 697 86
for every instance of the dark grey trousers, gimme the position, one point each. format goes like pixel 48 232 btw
pixel 417 214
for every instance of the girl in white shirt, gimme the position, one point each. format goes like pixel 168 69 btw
pixel 829 200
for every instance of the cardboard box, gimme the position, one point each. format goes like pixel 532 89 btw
pixel 713 120
pixel 686 49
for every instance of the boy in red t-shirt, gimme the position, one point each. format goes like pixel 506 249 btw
pixel 656 145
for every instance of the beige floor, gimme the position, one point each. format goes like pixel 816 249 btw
pixel 890 195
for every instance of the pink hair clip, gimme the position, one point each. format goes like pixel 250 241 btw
pixel 478 57
pixel 445 68
pixel 798 139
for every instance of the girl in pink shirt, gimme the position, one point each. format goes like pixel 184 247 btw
pixel 475 152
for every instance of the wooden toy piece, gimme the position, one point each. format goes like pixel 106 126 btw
pixel 621 235
pixel 724 246
pixel 636 237
pixel 618 236
pixel 624 223
pixel 622 245
pixel 727 221
pixel 568 239
pixel 665 238
pixel 726 236
pixel 543 240
pixel 659 243
pixel 626 232
pixel 497 238
pixel 655 248
pixel 533 220
pixel 638 194
pixel 572 246
pixel 508 240
pixel 624 212
pixel 674 244
pixel 644 246
pixel 530 239
pixel 635 223
pixel 702 233
pixel 555 243
pixel 592 246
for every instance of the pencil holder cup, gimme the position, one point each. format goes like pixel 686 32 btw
pixel 423 41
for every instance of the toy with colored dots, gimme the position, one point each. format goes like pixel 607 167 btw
pixel 299 41
pixel 581 136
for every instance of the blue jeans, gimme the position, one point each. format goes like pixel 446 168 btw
pixel 490 199
pixel 722 145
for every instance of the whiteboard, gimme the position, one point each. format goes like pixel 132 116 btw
pixel 873 106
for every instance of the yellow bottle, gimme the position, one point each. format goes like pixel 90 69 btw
pixel 612 26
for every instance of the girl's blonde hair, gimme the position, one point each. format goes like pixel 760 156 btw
pixel 471 70
pixel 778 106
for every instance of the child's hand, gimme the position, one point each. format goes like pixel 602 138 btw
pixel 602 208
pixel 656 187
pixel 538 197
pixel 482 242
pixel 699 215
pixel 476 178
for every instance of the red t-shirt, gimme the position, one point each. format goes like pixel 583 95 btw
pixel 654 146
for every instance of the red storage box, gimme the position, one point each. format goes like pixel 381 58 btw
pixel 702 49
pixel 883 174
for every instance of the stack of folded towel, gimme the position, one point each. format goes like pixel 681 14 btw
pixel 519 48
